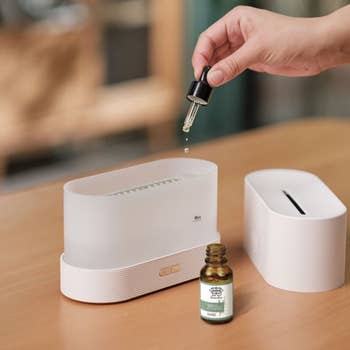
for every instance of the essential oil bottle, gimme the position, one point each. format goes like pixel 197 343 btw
pixel 216 286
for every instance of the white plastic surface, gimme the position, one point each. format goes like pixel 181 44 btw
pixel 296 246
pixel 120 284
pixel 134 217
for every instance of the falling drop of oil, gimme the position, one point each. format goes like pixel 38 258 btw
pixel 186 148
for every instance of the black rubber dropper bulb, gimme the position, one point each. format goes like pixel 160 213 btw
pixel 199 94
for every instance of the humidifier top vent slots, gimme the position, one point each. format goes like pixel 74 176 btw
pixel 147 186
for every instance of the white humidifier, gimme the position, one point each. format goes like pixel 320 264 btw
pixel 137 230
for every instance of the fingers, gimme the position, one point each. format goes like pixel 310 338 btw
pixel 203 53
pixel 212 39
pixel 234 64
pixel 222 52
pixel 285 70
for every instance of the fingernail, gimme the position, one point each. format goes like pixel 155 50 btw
pixel 215 77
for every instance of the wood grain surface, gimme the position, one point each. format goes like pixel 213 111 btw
pixel 34 315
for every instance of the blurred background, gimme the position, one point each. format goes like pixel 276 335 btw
pixel 89 84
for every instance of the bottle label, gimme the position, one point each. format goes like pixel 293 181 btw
pixel 216 301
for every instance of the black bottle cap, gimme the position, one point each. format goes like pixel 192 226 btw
pixel 200 91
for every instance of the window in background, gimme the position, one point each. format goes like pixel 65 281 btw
pixel 125 39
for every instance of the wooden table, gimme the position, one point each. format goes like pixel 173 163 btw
pixel 34 315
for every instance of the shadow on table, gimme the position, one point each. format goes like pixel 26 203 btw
pixel 244 296
pixel 243 301
pixel 347 259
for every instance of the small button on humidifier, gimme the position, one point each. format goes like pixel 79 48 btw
pixel 295 230
pixel 137 230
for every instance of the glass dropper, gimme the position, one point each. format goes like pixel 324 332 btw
pixel 199 94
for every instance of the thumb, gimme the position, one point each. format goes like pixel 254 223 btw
pixel 233 65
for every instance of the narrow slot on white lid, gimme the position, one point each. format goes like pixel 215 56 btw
pixel 294 202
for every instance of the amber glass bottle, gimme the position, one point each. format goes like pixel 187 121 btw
pixel 216 286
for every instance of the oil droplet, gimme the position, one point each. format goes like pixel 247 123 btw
pixel 186 147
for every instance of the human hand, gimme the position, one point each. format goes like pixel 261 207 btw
pixel 264 41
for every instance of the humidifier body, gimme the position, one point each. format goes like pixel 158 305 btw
pixel 295 230
pixel 137 230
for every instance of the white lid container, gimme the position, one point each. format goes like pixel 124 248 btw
pixel 295 230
